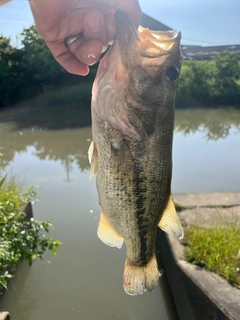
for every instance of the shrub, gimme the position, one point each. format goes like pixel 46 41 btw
pixel 20 238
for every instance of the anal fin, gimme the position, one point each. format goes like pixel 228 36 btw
pixel 170 222
pixel 107 234
pixel 137 280
pixel 93 159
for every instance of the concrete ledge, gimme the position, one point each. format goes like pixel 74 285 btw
pixel 198 294
pixel 207 217
pixel 5 316
pixel 218 199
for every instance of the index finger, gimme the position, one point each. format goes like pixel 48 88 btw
pixel 67 59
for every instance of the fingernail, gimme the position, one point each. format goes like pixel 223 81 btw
pixel 92 55
pixel 95 25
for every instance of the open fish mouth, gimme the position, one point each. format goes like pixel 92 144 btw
pixel 150 44
pixel 160 43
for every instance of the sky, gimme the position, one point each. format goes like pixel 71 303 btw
pixel 202 22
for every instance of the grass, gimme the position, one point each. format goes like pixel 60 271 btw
pixel 20 238
pixel 178 207
pixel 217 249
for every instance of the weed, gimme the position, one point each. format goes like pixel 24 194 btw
pixel 217 249
pixel 20 239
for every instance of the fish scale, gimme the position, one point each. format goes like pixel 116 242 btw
pixel 131 152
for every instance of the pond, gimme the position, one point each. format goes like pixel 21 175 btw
pixel 48 147
pixel 206 151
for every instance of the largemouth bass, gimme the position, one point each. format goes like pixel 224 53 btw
pixel 131 153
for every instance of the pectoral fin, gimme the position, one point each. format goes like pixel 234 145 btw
pixel 93 159
pixel 107 234
pixel 170 222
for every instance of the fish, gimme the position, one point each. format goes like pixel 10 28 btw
pixel 132 111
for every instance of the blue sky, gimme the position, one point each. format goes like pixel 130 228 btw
pixel 202 22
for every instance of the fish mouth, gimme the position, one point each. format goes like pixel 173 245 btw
pixel 150 44
pixel 157 43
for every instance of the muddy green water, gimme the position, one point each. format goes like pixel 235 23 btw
pixel 48 147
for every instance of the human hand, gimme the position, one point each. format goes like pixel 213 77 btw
pixel 2 2
pixel 58 19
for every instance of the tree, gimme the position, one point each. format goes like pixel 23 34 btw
pixel 212 82
pixel 7 65
pixel 228 73
pixel 196 80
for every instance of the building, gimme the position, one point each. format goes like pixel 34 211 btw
pixel 152 24
pixel 207 53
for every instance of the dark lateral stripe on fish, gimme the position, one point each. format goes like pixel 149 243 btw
pixel 140 194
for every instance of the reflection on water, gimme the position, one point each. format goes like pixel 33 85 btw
pixel 214 124
pixel 50 131
pixel 54 133
pixel 48 147
pixel 84 281
pixel 206 153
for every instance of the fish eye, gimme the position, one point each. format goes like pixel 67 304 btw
pixel 172 73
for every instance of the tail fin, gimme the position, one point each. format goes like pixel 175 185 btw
pixel 137 280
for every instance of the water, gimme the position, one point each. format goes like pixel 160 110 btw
pixel 84 280
pixel 48 147
pixel 206 151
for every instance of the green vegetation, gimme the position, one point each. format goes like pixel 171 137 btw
pixel 31 71
pixel 20 238
pixel 215 82
pixel 217 249
pixel 178 207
